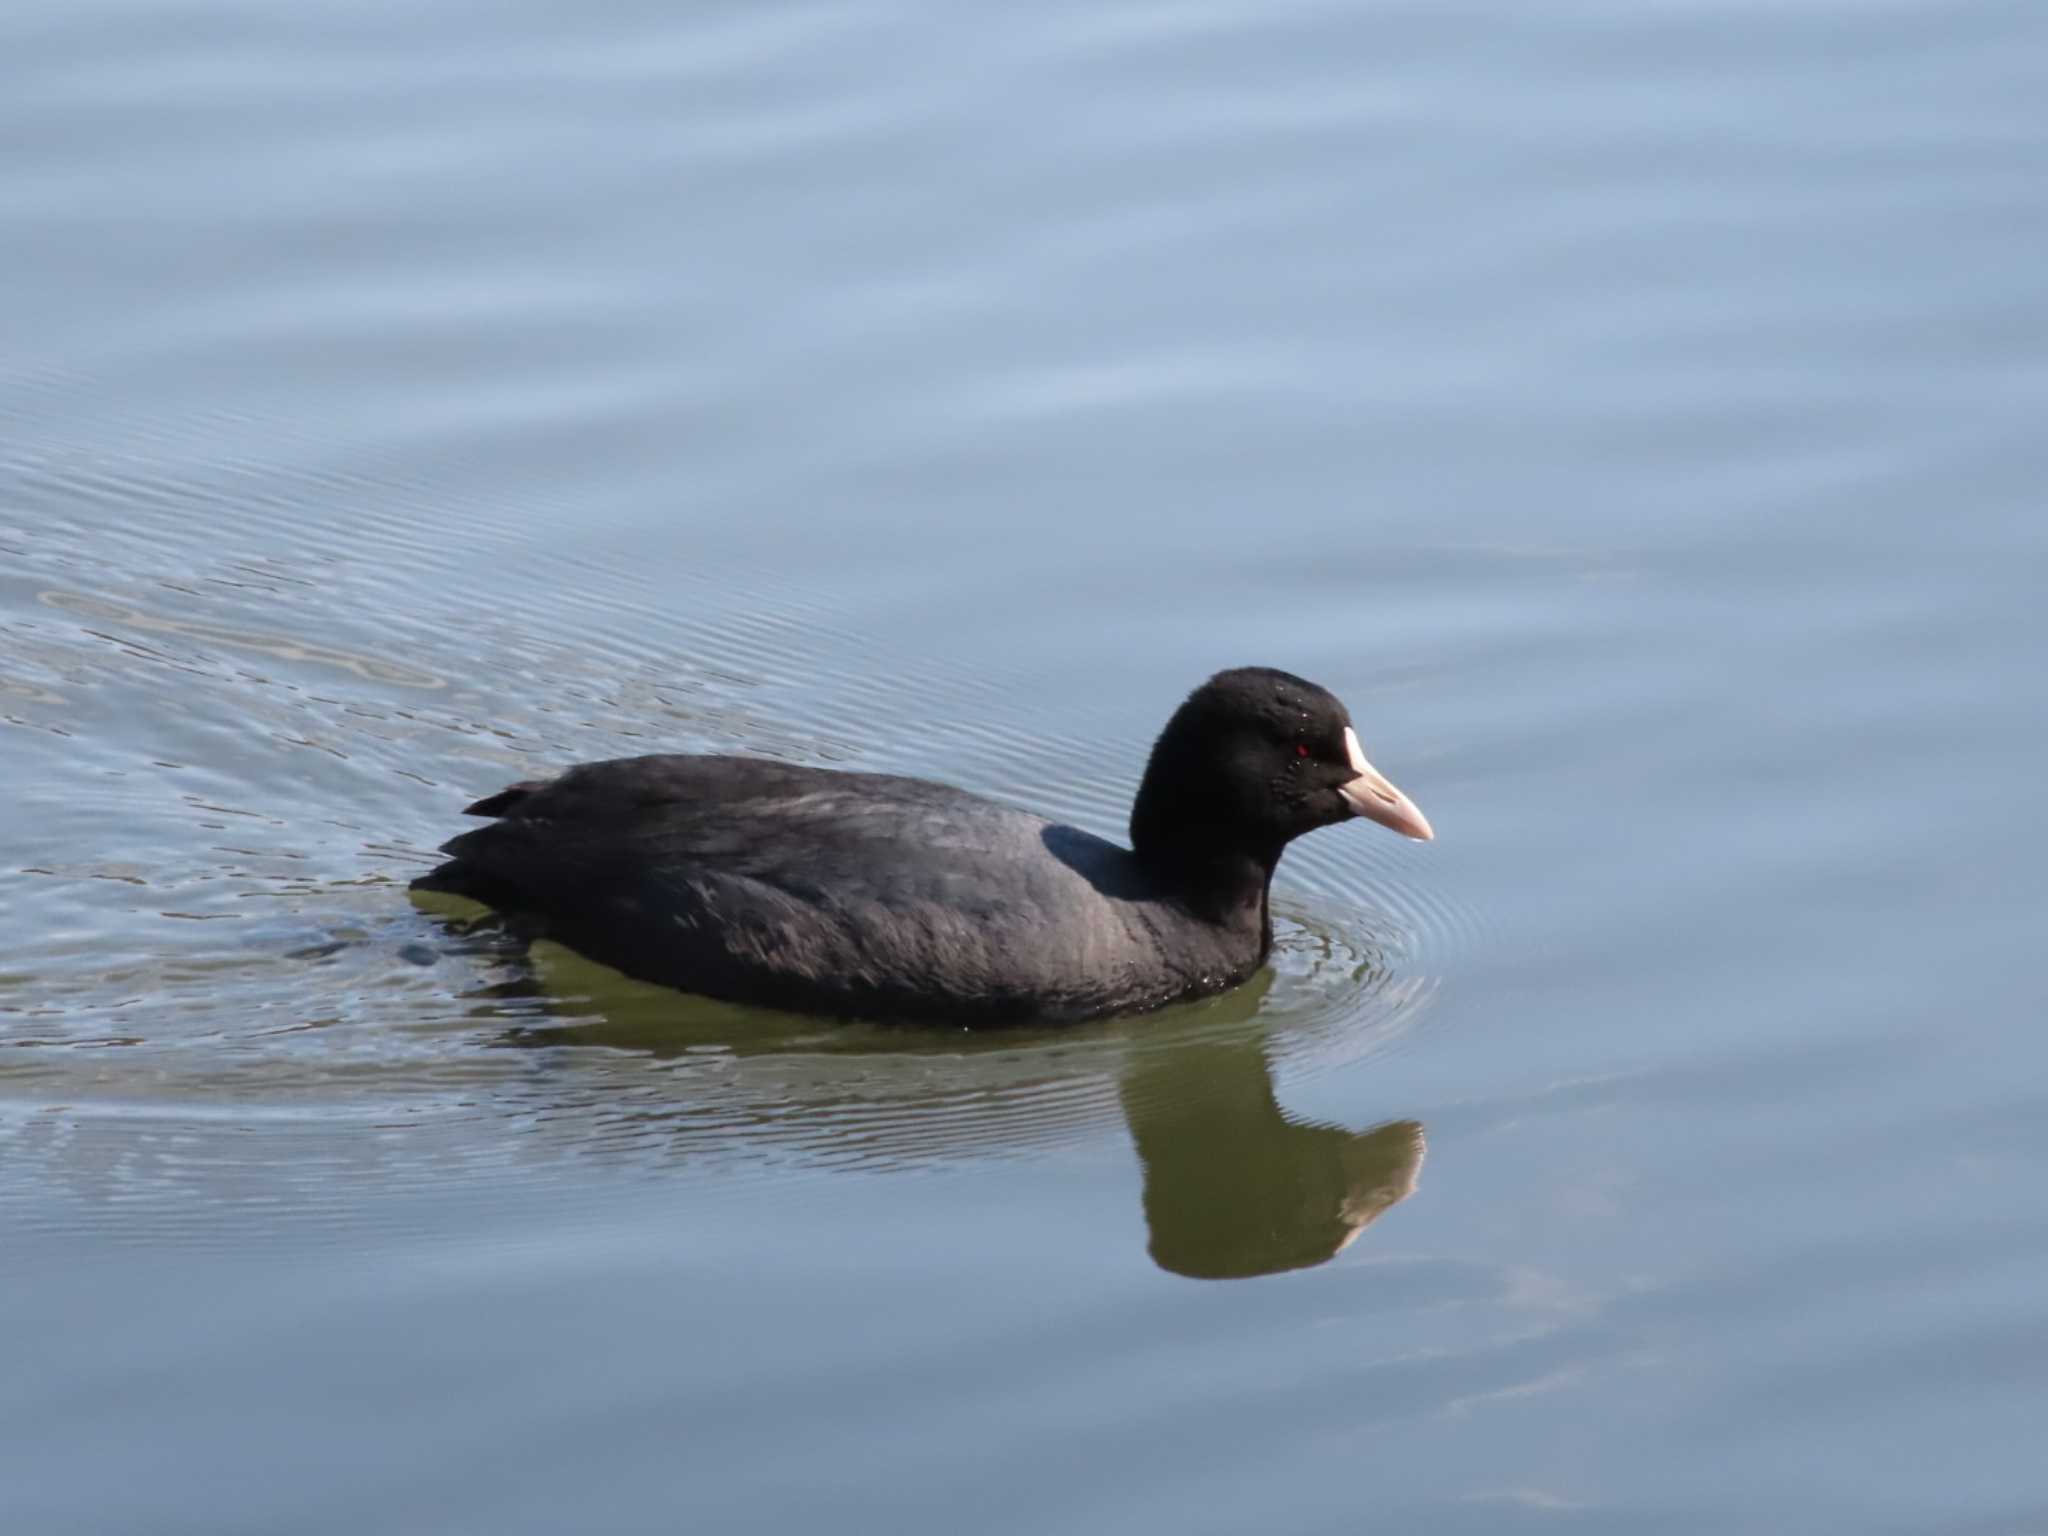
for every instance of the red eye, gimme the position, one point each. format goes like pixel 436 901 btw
pixel 1301 749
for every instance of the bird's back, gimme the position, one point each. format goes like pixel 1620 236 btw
pixel 822 890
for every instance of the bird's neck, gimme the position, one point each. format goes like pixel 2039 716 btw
pixel 1224 887
pixel 1185 832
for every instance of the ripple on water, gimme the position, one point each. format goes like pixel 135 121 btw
pixel 283 647
pixel 275 725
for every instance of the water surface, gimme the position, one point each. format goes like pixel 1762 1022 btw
pixel 1632 413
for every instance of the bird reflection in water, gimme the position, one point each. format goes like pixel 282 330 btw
pixel 1233 1187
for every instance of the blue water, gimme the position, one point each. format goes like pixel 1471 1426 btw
pixel 1632 412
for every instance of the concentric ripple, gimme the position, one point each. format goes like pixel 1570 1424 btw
pixel 282 720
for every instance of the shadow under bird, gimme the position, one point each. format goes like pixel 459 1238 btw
pixel 875 896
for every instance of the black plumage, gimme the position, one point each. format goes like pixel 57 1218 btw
pixel 878 896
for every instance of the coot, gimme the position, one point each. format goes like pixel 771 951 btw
pixel 869 895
